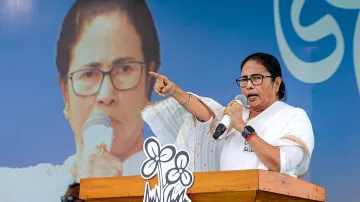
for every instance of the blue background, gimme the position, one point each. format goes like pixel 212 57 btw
pixel 202 45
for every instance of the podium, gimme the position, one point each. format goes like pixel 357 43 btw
pixel 222 186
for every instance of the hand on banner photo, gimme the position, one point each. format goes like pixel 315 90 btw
pixel 163 86
pixel 99 163
pixel 234 110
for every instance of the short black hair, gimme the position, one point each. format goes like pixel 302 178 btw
pixel 73 185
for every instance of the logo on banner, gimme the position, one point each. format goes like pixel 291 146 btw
pixel 170 166
pixel 319 71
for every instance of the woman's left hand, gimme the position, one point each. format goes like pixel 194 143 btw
pixel 235 110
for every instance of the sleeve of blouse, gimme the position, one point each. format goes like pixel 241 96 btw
pixel 290 157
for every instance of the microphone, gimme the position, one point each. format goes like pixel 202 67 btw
pixel 98 130
pixel 225 121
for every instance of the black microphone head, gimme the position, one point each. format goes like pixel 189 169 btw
pixel 216 135
pixel 220 129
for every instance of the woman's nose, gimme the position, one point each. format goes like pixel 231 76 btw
pixel 249 85
pixel 107 92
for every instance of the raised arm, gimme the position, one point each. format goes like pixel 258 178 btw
pixel 164 86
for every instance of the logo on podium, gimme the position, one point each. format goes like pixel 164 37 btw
pixel 170 166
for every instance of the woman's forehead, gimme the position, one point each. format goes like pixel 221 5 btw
pixel 253 67
pixel 100 45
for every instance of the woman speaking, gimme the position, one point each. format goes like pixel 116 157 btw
pixel 267 134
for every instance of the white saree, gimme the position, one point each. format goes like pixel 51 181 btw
pixel 279 125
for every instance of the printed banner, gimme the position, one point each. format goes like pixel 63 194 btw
pixel 65 62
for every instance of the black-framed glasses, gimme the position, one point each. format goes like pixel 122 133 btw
pixel 255 79
pixel 71 198
pixel 124 76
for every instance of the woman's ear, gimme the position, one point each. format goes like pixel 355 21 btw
pixel 278 81
pixel 64 91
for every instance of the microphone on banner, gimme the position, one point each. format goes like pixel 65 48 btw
pixel 98 130
pixel 225 121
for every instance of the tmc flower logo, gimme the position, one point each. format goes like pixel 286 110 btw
pixel 161 159
pixel 180 172
pixel 155 156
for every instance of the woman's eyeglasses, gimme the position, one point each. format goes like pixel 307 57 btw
pixel 124 76
pixel 256 79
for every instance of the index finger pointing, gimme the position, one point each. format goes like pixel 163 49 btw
pixel 154 74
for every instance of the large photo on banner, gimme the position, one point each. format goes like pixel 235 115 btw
pixel 67 63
